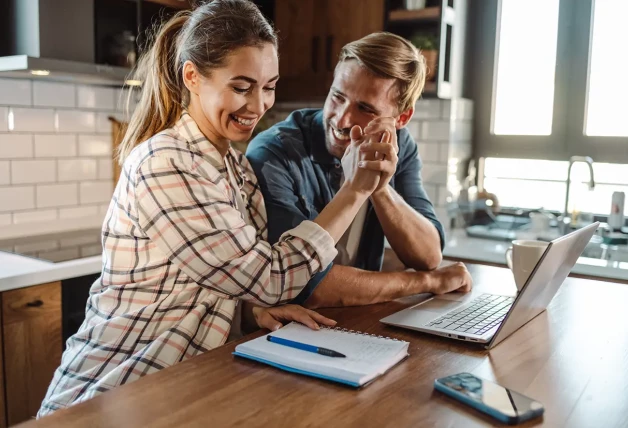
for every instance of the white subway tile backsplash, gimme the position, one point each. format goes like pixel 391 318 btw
pixel 105 169
pixel 96 191
pixel 17 198
pixel 13 146
pixel 76 121
pixel 77 169
pixel 33 171
pixel 461 131
pixel 446 107
pixel 443 153
pixel 77 212
pixel 5 219
pixel 57 195
pixel 462 109
pixel 428 151
pixel 15 92
pixel 414 128
pixel 95 145
pixel 96 97
pixel 47 171
pixel 5 177
pixel 54 94
pixel 435 130
pixel 4 113
pixel 434 173
pixel 55 145
pixel 34 216
pixel 427 109
pixel 31 120
pixel 103 124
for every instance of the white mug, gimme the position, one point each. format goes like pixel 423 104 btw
pixel 522 258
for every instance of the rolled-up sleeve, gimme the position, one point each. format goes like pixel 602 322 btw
pixel 409 185
pixel 189 217
pixel 283 204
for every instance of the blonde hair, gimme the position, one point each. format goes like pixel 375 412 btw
pixel 205 36
pixel 390 56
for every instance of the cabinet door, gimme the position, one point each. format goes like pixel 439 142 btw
pixel 347 21
pixel 31 322
pixel 301 29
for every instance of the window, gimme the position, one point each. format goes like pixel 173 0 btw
pixel 531 184
pixel 526 65
pixel 608 71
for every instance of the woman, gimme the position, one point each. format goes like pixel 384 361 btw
pixel 183 239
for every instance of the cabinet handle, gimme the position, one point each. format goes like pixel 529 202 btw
pixel 35 304
pixel 329 45
pixel 315 46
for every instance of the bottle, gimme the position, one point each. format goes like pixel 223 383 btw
pixel 616 218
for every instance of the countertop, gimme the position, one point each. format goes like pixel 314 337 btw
pixel 20 271
pixel 462 247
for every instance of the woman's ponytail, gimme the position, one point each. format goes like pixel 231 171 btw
pixel 163 92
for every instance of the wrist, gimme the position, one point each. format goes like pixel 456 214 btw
pixel 382 195
pixel 353 195
pixel 422 282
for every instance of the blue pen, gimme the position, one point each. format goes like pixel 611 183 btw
pixel 305 347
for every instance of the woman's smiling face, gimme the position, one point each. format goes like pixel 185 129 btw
pixel 234 98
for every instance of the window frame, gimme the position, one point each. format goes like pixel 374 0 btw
pixel 572 68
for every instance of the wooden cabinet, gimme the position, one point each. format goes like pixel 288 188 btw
pixel 311 34
pixel 31 329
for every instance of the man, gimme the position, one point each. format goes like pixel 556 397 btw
pixel 298 164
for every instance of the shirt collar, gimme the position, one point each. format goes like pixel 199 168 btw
pixel 318 149
pixel 188 129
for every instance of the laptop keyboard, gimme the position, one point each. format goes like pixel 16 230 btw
pixel 477 317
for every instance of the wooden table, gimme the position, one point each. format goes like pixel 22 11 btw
pixel 573 358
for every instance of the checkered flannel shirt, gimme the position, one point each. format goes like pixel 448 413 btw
pixel 177 256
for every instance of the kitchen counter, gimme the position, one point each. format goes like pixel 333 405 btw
pixel 462 247
pixel 20 271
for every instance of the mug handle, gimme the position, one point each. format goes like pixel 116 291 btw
pixel 509 258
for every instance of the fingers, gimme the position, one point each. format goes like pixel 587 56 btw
pixel 383 148
pixel 265 320
pixel 380 165
pixel 356 133
pixel 321 319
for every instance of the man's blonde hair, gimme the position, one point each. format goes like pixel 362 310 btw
pixel 392 57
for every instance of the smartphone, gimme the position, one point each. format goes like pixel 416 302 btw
pixel 503 404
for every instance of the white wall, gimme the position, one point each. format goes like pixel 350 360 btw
pixel 55 151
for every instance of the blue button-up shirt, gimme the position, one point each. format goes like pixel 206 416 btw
pixel 299 177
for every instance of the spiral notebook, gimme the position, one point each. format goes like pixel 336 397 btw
pixel 367 357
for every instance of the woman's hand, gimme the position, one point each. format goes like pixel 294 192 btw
pixel 361 180
pixel 271 318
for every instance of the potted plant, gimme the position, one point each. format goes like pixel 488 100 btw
pixel 428 45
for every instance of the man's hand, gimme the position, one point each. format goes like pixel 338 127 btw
pixel 455 277
pixel 271 318
pixel 362 180
pixel 383 147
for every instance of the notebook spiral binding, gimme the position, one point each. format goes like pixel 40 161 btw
pixel 359 333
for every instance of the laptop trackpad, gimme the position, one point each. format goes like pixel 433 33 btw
pixel 437 305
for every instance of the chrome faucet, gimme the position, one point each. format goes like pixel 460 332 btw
pixel 587 160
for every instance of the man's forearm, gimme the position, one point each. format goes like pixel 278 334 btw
pixel 349 286
pixel 413 237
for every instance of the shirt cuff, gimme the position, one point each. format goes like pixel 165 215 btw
pixel 318 238
pixel 311 286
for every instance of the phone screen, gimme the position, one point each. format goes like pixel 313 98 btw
pixel 497 397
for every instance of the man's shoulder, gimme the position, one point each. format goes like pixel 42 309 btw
pixel 287 136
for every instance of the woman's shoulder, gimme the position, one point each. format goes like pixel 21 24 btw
pixel 167 144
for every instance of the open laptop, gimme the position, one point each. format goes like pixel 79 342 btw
pixel 491 318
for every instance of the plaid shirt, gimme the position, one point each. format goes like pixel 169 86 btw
pixel 177 256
